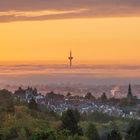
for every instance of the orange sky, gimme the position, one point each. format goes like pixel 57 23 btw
pixel 93 40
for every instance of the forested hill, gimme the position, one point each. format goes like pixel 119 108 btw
pixel 29 121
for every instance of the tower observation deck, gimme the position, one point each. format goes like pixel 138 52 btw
pixel 70 58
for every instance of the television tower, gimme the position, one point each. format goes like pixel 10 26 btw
pixel 70 58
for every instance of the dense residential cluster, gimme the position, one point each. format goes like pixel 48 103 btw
pixel 126 107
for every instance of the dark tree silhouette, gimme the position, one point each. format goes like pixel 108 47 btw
pixel 70 120
pixel 6 101
pixel 89 96
pixel 133 132
pixel 114 135
pixel 32 104
pixel 68 94
pixel 104 97
pixel 92 132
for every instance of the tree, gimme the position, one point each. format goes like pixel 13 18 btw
pixel 68 94
pixel 104 97
pixel 133 132
pixel 70 120
pixel 89 96
pixel 6 102
pixel 32 104
pixel 54 96
pixel 111 135
pixel 92 133
pixel 44 135
pixel 114 135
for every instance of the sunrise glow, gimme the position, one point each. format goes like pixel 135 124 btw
pixel 98 40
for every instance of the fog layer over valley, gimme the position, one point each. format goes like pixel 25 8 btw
pixel 80 79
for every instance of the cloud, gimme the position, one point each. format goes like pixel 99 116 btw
pixel 17 10
pixel 92 74
pixel 78 70
pixel 87 74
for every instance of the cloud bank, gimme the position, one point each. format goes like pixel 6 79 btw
pixel 91 74
pixel 24 10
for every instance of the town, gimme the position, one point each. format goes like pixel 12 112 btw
pixel 127 107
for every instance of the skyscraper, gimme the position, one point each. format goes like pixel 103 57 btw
pixel 70 58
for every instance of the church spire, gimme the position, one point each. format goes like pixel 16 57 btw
pixel 129 95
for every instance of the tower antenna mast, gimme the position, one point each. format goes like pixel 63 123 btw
pixel 70 58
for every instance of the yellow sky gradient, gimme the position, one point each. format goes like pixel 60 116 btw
pixel 93 40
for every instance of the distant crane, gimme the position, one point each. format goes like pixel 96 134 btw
pixel 70 59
